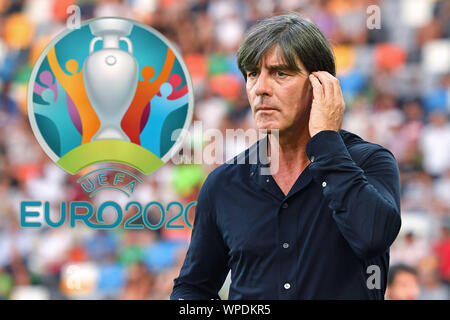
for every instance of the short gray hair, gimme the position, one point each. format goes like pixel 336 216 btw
pixel 296 36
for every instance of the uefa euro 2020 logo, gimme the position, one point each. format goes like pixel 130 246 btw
pixel 113 90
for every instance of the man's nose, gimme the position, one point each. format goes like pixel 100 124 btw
pixel 263 86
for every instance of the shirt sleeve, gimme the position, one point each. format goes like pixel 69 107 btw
pixel 205 267
pixel 365 200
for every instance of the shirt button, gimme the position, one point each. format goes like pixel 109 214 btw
pixel 285 245
pixel 324 184
pixel 252 173
pixel 267 180
pixel 287 286
pixel 285 205
pixel 312 158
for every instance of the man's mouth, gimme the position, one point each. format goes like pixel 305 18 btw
pixel 265 108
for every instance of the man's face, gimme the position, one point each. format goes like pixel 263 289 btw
pixel 279 98
pixel 404 287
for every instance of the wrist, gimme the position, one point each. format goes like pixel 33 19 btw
pixel 315 131
pixel 324 144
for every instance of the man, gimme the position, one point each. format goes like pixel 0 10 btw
pixel 311 229
pixel 403 283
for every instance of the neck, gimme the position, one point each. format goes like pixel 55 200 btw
pixel 291 149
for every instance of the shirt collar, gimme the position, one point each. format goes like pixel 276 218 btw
pixel 260 172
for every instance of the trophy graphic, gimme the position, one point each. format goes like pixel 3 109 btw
pixel 96 107
pixel 110 76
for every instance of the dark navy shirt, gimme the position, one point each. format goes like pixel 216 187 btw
pixel 328 238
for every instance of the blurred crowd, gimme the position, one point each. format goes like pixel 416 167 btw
pixel 396 83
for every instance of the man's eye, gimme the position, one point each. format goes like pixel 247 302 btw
pixel 281 74
pixel 251 74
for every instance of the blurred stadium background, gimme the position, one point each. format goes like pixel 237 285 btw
pixel 396 82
